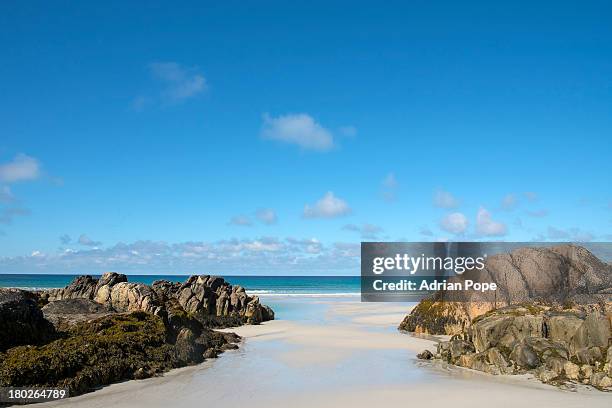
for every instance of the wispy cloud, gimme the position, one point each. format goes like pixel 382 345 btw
pixel 571 234
pixel 531 196
pixel 389 187
pixel 485 225
pixel 21 168
pixel 366 231
pixel 299 129
pixel 267 216
pixel 86 241
pixel 181 82
pixel 455 223
pixel 241 221
pixel 329 206
pixel 266 254
pixel 174 82
pixel 444 199
pixel 6 195
pixel 509 202
pixel 65 239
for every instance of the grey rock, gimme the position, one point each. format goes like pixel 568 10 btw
pixel 545 375
pixel 425 355
pixel 563 274
pixel 21 320
pixel 525 356
pixel 497 359
pixel 571 370
pixel 67 312
pixel 202 296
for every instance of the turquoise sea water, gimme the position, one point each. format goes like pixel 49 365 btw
pixel 262 285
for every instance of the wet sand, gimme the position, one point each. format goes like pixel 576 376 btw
pixel 332 353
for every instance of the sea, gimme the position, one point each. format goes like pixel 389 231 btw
pixel 302 286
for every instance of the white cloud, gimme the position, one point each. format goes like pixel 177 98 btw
pixel 571 234
pixel 241 220
pixel 300 129
pixel 531 196
pixel 485 225
pixel 509 202
pixel 267 216
pixel 455 223
pixel 86 241
pixel 260 255
pixel 178 83
pixel 366 231
pixel 329 206
pixel 444 199
pixel 22 168
pixel 389 185
pixel 65 239
pixel 6 195
pixel 182 82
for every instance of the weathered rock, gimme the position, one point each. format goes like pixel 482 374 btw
pixel 595 330
pixel 563 327
pixel 505 328
pixel 65 313
pixel 546 375
pixel 434 316
pixel 586 371
pixel 425 355
pixel 525 356
pixel 497 359
pixel 546 348
pixel 111 329
pixel 205 297
pixel 571 370
pixel 556 364
pixel 605 382
pixel 21 321
pixel 458 347
pixel 572 275
pixel 522 338
pixel 600 380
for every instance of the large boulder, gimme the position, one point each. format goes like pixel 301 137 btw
pixel 67 312
pixel 505 328
pixel 563 275
pixel 21 321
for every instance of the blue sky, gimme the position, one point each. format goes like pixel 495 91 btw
pixel 272 137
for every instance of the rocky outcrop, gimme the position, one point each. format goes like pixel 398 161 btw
pixel 67 312
pixel 556 345
pixel 562 275
pixel 21 321
pixel 97 331
pixel 207 298
pixel 108 349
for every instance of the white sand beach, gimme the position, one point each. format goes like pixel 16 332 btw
pixel 332 353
